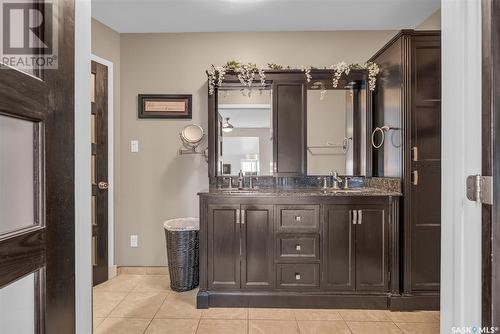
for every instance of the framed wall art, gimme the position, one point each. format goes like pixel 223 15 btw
pixel 165 106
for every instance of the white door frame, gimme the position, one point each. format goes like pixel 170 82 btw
pixel 461 156
pixel 111 196
pixel 83 190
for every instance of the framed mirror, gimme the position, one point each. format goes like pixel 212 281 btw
pixel 330 129
pixel 245 135
pixel 291 126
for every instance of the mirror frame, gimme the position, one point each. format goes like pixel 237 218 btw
pixel 362 119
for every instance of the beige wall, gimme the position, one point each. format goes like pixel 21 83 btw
pixel 433 22
pixel 156 184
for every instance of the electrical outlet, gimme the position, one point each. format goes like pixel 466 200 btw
pixel 134 240
pixel 134 146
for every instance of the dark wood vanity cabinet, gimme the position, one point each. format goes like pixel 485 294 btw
pixel 372 244
pixel 257 246
pixel 289 124
pixel 356 243
pixel 240 246
pixel 223 247
pixel 408 97
pixel 298 252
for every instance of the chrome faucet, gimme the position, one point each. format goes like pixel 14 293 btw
pixel 230 182
pixel 325 182
pixel 241 180
pixel 336 180
pixel 253 180
pixel 346 183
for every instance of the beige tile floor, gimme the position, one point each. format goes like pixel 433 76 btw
pixel 142 302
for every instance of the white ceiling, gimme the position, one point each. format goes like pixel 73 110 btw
pixel 129 16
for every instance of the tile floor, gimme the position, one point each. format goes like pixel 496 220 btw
pixel 142 302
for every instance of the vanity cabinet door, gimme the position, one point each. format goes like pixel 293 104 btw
pixel 338 248
pixel 257 251
pixel 289 128
pixel 223 247
pixel 372 244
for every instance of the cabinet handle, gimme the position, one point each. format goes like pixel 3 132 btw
pixel 237 216
pixel 243 212
pixel 414 177
pixel 297 247
pixel 297 276
pixel 360 216
pixel 354 217
pixel 298 218
pixel 414 151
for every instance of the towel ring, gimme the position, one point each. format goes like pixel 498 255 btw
pixel 382 131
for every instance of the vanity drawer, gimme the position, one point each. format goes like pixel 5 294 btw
pixel 292 246
pixel 297 275
pixel 298 218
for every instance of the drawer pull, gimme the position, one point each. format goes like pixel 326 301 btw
pixel 298 218
pixel 297 247
pixel 297 276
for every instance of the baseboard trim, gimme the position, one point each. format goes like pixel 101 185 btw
pixel 420 302
pixel 142 270
pixel 206 299
pixel 112 271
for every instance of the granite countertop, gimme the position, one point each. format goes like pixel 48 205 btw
pixel 362 191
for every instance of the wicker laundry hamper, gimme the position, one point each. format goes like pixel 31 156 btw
pixel 181 235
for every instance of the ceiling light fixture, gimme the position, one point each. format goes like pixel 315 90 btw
pixel 226 126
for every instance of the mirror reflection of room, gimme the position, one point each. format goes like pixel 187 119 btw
pixel 245 139
pixel 329 130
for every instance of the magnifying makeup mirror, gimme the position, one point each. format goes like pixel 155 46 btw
pixel 192 136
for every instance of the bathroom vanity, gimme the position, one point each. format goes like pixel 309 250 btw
pixel 276 230
pixel 299 248
pixel 277 227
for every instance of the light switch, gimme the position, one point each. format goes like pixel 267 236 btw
pixel 134 241
pixel 134 146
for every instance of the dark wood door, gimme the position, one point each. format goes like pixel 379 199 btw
pixel 37 209
pixel 338 248
pixel 99 175
pixel 490 130
pixel 257 246
pixel 372 244
pixel 224 251
pixel 425 196
pixel 289 122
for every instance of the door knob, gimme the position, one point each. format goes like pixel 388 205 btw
pixel 103 185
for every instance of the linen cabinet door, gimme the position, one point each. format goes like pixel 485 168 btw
pixel 223 247
pixel 289 101
pixel 372 249
pixel 338 248
pixel 257 246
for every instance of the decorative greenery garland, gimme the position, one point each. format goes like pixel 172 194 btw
pixel 247 72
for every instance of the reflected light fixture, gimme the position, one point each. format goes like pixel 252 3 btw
pixel 226 126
